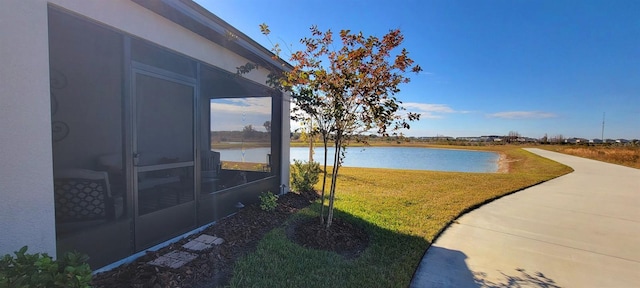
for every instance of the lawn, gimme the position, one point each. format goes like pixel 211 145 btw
pixel 403 211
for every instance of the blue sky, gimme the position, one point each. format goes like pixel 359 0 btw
pixel 490 67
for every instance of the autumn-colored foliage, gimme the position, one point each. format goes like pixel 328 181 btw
pixel 347 87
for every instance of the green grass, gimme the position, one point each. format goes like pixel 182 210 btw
pixel 402 210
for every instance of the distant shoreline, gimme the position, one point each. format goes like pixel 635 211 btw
pixel 503 163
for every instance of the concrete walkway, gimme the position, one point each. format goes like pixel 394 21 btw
pixel 578 230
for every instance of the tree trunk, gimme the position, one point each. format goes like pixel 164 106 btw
pixel 324 179
pixel 310 141
pixel 334 178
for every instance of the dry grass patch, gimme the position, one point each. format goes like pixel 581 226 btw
pixel 627 156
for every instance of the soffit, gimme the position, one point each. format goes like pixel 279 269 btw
pixel 195 18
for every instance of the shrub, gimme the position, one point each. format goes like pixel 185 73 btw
pixel 40 270
pixel 304 175
pixel 268 201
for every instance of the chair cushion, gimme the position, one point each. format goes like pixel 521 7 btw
pixel 80 199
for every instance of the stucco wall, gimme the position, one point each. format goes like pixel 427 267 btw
pixel 26 184
pixel 26 205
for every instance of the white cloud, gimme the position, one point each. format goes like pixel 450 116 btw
pixel 425 73
pixel 232 114
pixel 249 105
pixel 424 107
pixel 431 111
pixel 426 111
pixel 522 115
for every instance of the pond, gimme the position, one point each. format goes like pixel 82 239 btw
pixel 410 158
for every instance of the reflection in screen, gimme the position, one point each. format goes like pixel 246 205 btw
pixel 241 138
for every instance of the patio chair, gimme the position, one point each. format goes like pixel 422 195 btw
pixel 210 170
pixel 83 198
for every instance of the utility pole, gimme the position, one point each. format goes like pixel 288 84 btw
pixel 602 135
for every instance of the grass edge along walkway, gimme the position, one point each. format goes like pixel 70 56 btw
pixel 403 211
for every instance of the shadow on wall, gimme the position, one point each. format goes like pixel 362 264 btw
pixel 452 271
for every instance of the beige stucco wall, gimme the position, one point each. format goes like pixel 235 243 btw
pixel 26 184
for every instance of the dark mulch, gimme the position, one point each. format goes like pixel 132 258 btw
pixel 241 233
pixel 341 237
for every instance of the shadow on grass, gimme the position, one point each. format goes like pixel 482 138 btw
pixel 388 261
pixel 447 268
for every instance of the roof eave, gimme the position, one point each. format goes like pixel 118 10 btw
pixel 199 20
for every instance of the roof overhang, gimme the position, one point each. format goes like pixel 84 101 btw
pixel 199 20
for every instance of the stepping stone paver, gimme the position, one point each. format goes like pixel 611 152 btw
pixel 203 242
pixel 196 246
pixel 204 238
pixel 174 259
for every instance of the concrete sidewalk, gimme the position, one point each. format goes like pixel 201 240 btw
pixel 578 230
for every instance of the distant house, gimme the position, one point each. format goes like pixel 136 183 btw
pixel 491 138
pixel 572 140
pixel 113 114
pixel 576 140
pixel 470 139
pixel 437 138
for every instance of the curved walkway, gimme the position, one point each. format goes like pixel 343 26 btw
pixel 578 230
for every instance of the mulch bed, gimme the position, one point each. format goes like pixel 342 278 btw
pixel 241 233
pixel 341 237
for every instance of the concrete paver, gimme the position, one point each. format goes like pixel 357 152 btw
pixel 177 259
pixel 203 242
pixel 578 230
pixel 174 259
pixel 196 246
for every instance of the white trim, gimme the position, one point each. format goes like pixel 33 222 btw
pixel 285 165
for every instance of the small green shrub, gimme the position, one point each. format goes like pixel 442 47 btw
pixel 268 201
pixel 40 270
pixel 304 175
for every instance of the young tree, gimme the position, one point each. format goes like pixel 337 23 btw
pixel 348 88
pixel 354 93
pixel 315 108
